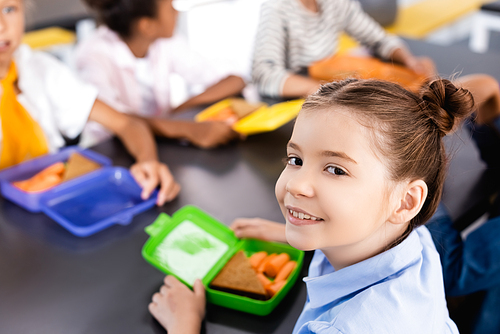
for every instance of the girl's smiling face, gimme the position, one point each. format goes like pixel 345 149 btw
pixel 334 191
pixel 11 31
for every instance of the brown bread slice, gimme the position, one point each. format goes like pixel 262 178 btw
pixel 238 277
pixel 78 165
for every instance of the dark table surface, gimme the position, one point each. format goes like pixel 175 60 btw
pixel 52 282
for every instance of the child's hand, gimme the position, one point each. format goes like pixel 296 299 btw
pixel 177 308
pixel 210 134
pixel 149 174
pixel 259 229
pixel 422 65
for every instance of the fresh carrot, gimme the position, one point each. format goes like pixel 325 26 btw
pixel 57 168
pixel 285 271
pixel 222 115
pixel 23 185
pixel 264 262
pixel 256 259
pixel 274 265
pixel 47 182
pixel 275 287
pixel 43 180
pixel 264 280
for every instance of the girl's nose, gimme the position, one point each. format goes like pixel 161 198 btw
pixel 300 184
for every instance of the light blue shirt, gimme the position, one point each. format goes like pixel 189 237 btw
pixel 398 291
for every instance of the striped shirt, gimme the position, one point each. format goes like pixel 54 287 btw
pixel 290 37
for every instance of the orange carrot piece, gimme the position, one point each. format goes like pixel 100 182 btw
pixel 43 180
pixel 47 182
pixel 256 259
pixel 264 262
pixel 222 115
pixel 57 168
pixel 274 265
pixel 23 185
pixel 285 271
pixel 264 280
pixel 274 288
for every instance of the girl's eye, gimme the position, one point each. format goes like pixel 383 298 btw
pixel 8 9
pixel 294 161
pixel 336 170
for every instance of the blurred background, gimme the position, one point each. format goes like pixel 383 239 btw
pixel 227 27
pixel 223 30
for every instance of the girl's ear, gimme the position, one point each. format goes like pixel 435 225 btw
pixel 411 202
pixel 145 26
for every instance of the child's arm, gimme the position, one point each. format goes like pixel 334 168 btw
pixel 421 65
pixel 299 86
pixel 486 93
pixel 177 308
pixel 259 229
pixel 229 86
pixel 369 33
pixel 138 139
pixel 269 65
pixel 201 134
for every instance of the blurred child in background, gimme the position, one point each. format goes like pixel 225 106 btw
pixel 131 57
pixel 42 100
pixel 292 34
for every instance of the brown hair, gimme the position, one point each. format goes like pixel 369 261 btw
pixel 407 128
pixel 120 15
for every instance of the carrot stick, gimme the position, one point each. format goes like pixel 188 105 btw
pixel 285 271
pixel 275 287
pixel 264 262
pixel 47 182
pixel 274 265
pixel 256 259
pixel 23 185
pixel 57 168
pixel 223 115
pixel 264 280
pixel 43 180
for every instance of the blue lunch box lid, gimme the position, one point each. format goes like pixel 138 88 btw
pixel 96 201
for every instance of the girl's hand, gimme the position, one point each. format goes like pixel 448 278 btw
pixel 210 134
pixel 421 65
pixel 259 229
pixel 149 174
pixel 177 308
pixel 201 134
pixel 138 139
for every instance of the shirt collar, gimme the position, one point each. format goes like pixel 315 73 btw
pixel 123 57
pixel 359 276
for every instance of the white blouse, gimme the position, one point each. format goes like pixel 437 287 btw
pixel 53 95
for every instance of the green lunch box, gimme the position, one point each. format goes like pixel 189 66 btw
pixel 191 244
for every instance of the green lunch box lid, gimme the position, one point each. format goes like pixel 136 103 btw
pixel 191 244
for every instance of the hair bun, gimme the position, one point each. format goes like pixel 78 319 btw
pixel 446 104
